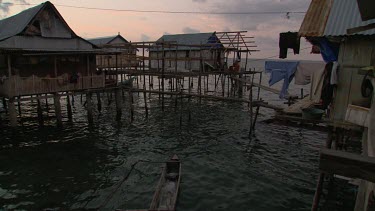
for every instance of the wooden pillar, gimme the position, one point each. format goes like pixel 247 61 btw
pixel 118 104
pixel 131 106
pixel 162 79
pixel 47 106
pixel 19 106
pixel 99 101
pixel 40 113
pixel 69 108
pixel 89 108
pixel 56 101
pixel 251 107
pixel 5 105
pixel 12 112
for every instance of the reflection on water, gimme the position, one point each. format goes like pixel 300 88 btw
pixel 78 167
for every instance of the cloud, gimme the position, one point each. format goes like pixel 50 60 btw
pixel 145 38
pixel 23 2
pixel 199 1
pixel 4 7
pixel 264 27
pixel 188 30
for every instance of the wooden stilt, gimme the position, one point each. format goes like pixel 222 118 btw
pixel 40 113
pixel 99 101
pixel 69 109
pixel 19 106
pixel 131 106
pixel 255 117
pixel 181 110
pixel 89 108
pixel 189 111
pixel 251 108
pixel 12 112
pixel 73 99
pixel 47 106
pixel 5 104
pixel 318 192
pixel 57 104
pixel 118 104
pixel 162 78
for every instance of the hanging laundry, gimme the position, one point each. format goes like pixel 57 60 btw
pixel 329 50
pixel 327 90
pixel 281 71
pixel 288 40
pixel 305 71
pixel 334 74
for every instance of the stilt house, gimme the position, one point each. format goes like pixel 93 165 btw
pixel 40 53
pixel 113 57
pixel 188 53
pixel 329 25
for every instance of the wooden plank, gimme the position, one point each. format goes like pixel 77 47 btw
pixel 360 28
pixel 347 164
pixel 266 88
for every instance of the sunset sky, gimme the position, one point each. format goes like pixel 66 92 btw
pixel 150 26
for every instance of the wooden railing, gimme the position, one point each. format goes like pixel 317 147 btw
pixel 19 86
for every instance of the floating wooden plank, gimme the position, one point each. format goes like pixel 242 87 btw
pixel 347 164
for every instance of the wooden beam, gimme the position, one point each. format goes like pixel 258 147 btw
pixel 360 28
pixel 347 164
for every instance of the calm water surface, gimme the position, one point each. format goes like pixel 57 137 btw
pixel 78 167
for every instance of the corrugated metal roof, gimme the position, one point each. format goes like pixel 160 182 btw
pixel 345 15
pixel 316 18
pixel 189 39
pixel 105 40
pixel 16 24
pixel 332 18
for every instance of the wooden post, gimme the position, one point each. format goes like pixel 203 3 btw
pixel 5 105
pixel 223 84
pixel 318 192
pixel 260 83
pixel 144 80
pixel 12 112
pixel 99 101
pixel 56 101
pixel 131 105
pixel 118 104
pixel 162 78
pixel 89 108
pixel 69 108
pixel 19 106
pixel 40 113
pixel 200 74
pixel 251 107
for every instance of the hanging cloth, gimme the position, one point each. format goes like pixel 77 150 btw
pixel 288 40
pixel 281 71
